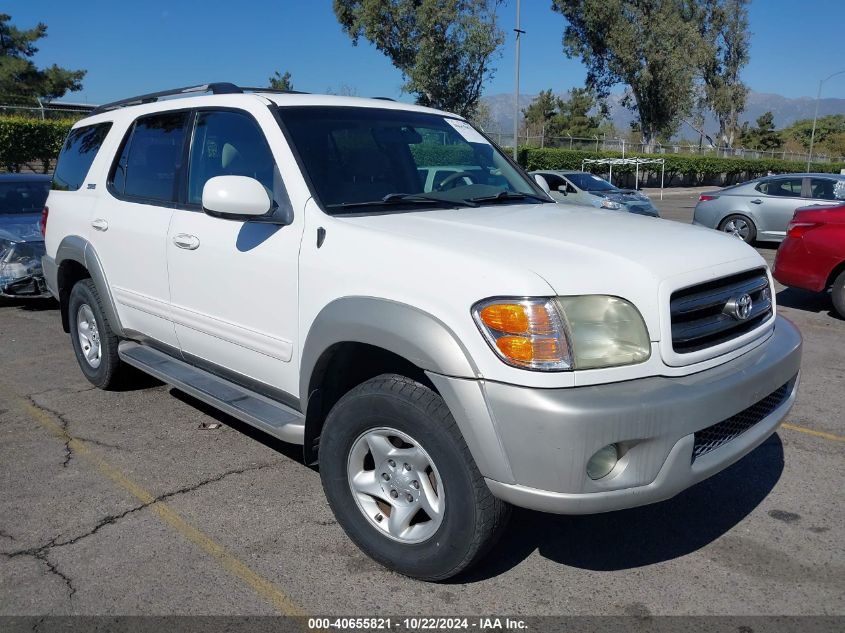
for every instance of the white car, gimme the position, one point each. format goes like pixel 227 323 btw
pixel 580 187
pixel 442 354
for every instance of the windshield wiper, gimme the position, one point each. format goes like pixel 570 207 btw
pixel 404 198
pixel 425 197
pixel 509 195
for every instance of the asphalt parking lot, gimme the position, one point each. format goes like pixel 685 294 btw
pixel 130 503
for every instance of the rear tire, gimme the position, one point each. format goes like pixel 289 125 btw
pixel 94 341
pixel 838 294
pixel 389 446
pixel 740 226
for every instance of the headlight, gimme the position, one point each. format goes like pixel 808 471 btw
pixel 610 204
pixel 605 331
pixel 19 259
pixel 563 333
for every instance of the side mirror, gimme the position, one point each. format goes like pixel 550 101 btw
pixel 235 198
pixel 562 189
pixel 542 182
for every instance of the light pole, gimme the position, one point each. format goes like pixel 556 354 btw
pixel 816 115
pixel 519 33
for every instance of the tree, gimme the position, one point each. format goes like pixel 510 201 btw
pixel 829 138
pixel 281 82
pixel 764 136
pixel 540 112
pixel 550 116
pixel 443 48
pixel 651 45
pixel 724 30
pixel 20 80
pixel 575 117
pixel 483 116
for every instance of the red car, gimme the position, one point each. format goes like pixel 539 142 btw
pixel 813 254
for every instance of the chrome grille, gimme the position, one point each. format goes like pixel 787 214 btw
pixel 703 315
pixel 719 434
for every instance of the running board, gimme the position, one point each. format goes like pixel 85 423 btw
pixel 270 416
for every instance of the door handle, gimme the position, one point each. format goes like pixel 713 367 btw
pixel 756 201
pixel 100 224
pixel 186 241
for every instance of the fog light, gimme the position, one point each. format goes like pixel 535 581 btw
pixel 602 462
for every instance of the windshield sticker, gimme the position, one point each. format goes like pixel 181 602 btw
pixel 469 133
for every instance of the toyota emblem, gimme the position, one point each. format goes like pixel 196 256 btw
pixel 739 307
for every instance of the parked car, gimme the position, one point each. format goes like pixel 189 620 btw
pixel 22 198
pixel 441 354
pixel 813 254
pixel 760 209
pixel 579 187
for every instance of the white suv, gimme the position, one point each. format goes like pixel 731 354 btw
pixel 442 352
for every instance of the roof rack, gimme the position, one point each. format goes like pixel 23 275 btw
pixel 384 98
pixel 217 88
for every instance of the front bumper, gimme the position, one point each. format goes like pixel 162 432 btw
pixel 51 275
pixel 548 435
pixel 642 208
pixel 21 273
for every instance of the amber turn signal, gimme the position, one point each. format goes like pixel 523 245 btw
pixel 517 318
pixel 525 332
pixel 529 349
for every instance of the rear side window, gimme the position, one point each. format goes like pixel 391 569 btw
pixel 786 187
pixel 822 188
pixel 149 163
pixel 77 154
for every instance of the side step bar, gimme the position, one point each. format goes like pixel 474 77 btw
pixel 272 417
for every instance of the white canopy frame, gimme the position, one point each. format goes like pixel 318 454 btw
pixel 629 161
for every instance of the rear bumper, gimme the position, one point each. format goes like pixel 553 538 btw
pixel 549 435
pixel 796 267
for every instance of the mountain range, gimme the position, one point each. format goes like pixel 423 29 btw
pixel 785 110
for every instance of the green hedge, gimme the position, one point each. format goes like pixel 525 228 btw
pixel 25 141
pixel 688 169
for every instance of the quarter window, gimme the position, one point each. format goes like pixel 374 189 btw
pixel 229 143
pixel 149 164
pixel 77 154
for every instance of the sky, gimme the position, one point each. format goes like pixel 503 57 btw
pixel 133 47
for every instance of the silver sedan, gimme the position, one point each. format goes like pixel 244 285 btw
pixel 761 209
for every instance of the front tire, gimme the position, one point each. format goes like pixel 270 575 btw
pixel 94 342
pixel 402 483
pixel 740 226
pixel 838 294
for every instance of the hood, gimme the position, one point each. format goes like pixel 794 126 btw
pixel 20 227
pixel 625 196
pixel 575 249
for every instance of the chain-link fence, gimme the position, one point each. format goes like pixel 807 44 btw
pixel 51 111
pixel 625 147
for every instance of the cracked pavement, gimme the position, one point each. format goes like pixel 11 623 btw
pixel 764 537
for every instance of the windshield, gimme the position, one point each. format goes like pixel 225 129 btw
pixel 360 157
pixel 588 182
pixel 21 196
